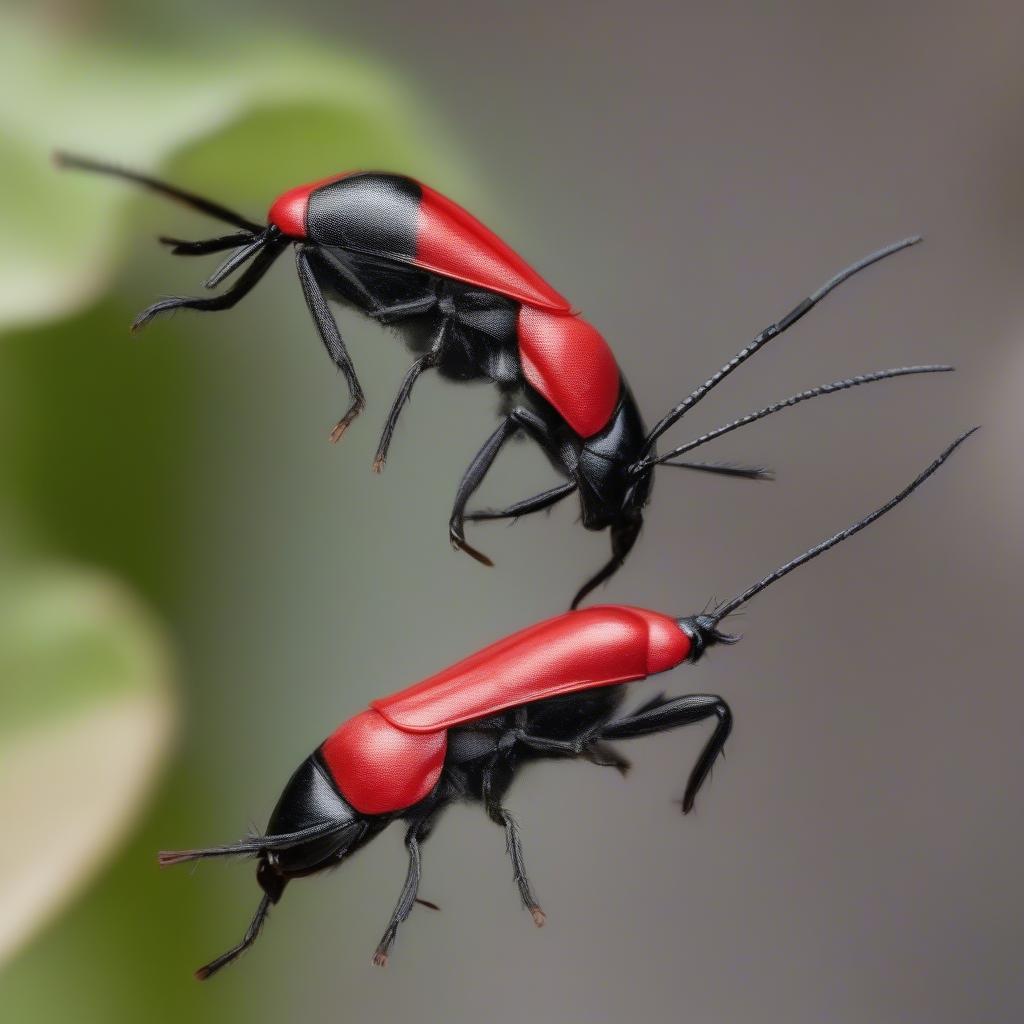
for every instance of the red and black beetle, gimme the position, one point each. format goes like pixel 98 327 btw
pixel 552 690
pixel 403 254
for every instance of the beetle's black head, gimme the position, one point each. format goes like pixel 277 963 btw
pixel 612 494
pixel 311 828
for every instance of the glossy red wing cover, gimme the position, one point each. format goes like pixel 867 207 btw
pixel 379 768
pixel 452 242
pixel 571 365
pixel 593 647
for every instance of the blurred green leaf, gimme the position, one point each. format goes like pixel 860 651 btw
pixel 86 716
pixel 282 109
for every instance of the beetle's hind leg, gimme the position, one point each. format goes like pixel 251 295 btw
pixel 662 714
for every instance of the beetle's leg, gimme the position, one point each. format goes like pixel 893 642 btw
pixel 245 284
pixel 183 247
pixel 587 744
pixel 537 503
pixel 518 418
pixel 662 714
pixel 331 337
pixel 252 933
pixel 402 310
pixel 623 538
pixel 425 362
pixel 418 831
pixel 493 791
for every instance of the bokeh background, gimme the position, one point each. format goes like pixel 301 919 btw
pixel 197 587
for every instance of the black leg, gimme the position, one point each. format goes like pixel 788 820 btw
pixel 662 714
pixel 537 503
pixel 251 935
pixel 517 419
pixel 402 310
pixel 623 538
pixel 587 744
pixel 245 284
pixel 494 786
pixel 425 362
pixel 418 831
pixel 182 247
pixel 331 337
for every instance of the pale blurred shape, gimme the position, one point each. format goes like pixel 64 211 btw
pixel 87 719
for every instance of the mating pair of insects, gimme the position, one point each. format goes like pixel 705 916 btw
pixel 403 254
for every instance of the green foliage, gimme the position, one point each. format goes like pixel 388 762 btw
pixel 97 451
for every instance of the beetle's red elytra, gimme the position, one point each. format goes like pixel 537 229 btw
pixel 598 646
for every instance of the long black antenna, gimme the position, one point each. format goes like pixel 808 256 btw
pixel 252 933
pixel 207 206
pixel 730 606
pixel 787 403
pixel 771 332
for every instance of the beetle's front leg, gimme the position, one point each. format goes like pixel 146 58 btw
pixel 518 419
pixel 539 502
pixel 332 339
pixel 587 744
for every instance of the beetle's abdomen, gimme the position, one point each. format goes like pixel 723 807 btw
pixel 571 365
pixel 379 768
pixel 396 218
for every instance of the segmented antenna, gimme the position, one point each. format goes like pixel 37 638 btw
pixel 771 332
pixel 788 403
pixel 207 206
pixel 730 606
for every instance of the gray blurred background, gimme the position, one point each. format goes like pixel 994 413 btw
pixel 684 173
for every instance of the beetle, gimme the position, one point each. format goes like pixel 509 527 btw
pixel 554 689
pixel 403 254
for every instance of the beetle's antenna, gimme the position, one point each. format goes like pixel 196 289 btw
pixel 729 607
pixel 238 258
pixel 252 933
pixel 207 206
pixel 771 332
pixel 787 403
pixel 255 845
pixel 725 469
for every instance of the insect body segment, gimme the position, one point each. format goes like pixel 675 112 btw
pixel 553 690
